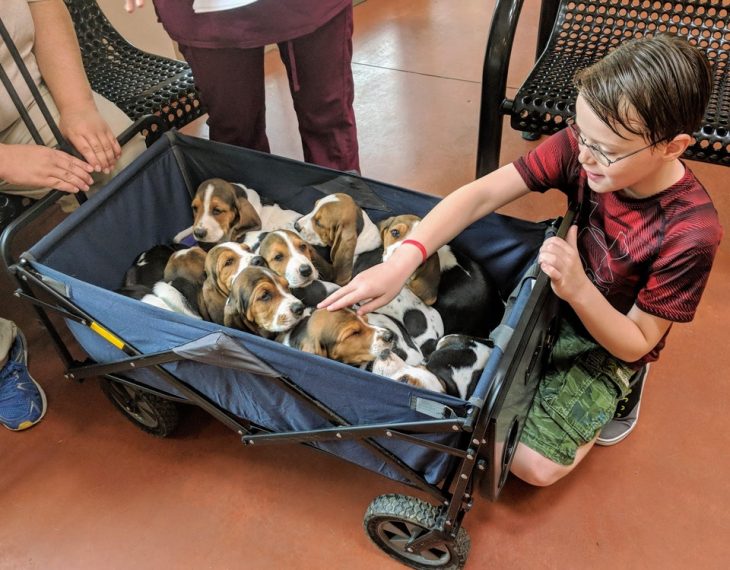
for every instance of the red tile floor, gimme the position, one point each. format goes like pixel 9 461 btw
pixel 85 489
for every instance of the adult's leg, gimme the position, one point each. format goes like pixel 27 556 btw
pixel 319 66
pixel 231 83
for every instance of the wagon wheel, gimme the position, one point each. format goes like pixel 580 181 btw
pixel 392 521
pixel 150 413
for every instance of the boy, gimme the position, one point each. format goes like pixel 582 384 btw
pixel 637 260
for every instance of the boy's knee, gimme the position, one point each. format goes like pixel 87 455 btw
pixel 536 469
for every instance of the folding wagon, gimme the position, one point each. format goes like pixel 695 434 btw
pixel 150 360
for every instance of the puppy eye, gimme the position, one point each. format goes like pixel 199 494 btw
pixel 278 257
pixel 395 233
pixel 353 333
pixel 303 247
pixel 228 262
pixel 195 209
pixel 316 223
pixel 217 211
pixel 265 296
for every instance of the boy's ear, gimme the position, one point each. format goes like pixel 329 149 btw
pixel 676 147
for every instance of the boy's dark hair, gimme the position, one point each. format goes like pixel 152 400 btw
pixel 663 81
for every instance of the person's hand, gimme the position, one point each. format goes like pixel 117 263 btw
pixel 560 260
pixel 91 135
pixel 377 285
pixel 37 166
pixel 130 5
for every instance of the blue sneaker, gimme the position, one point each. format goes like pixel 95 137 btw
pixel 22 400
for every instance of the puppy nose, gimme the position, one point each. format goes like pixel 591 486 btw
pixel 200 233
pixel 305 270
pixel 297 309
pixel 297 226
pixel 388 335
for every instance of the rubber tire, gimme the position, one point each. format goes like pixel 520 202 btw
pixel 393 515
pixel 150 413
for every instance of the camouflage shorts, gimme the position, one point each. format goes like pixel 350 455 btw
pixel 577 396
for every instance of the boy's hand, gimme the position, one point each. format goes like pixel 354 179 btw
pixel 90 134
pixel 37 166
pixel 560 260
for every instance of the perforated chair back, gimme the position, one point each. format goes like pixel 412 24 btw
pixel 584 32
pixel 138 82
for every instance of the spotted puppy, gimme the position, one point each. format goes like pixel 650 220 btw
pixel 394 367
pixel 149 266
pixel 458 362
pixel 225 211
pixel 467 298
pixel 222 264
pixel 339 223
pixel 260 302
pixel 340 335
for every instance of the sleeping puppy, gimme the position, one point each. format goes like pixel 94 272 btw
pixel 225 211
pixel 403 345
pixel 339 223
pixel 392 366
pixel 466 295
pixel 260 302
pixel 458 362
pixel 222 264
pixel 288 255
pixel 340 335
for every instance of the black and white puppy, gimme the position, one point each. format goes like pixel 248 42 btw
pixel 459 361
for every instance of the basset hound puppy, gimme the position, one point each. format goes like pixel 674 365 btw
pixel 394 367
pixel 225 211
pixel 222 264
pixel 340 335
pixel 467 297
pixel 339 223
pixel 260 302
pixel 459 361
pixel 288 255
pixel 149 266
pixel 403 345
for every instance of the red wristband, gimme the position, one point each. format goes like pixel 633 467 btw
pixel 420 246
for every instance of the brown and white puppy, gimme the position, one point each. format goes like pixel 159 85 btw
pixel 260 301
pixel 426 278
pixel 288 255
pixel 340 335
pixel 222 264
pixel 339 223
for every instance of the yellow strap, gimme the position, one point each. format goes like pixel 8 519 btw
pixel 101 331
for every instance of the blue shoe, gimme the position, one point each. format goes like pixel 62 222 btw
pixel 22 400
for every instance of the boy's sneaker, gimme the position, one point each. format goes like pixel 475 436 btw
pixel 22 400
pixel 627 413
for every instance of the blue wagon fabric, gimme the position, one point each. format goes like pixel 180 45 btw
pixel 149 203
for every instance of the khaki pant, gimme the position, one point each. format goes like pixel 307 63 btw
pixel 7 338
pixel 19 134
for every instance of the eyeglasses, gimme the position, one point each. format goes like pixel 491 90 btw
pixel 595 151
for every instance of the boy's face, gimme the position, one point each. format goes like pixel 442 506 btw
pixel 638 175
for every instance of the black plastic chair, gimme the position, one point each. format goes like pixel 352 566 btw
pixel 572 35
pixel 138 82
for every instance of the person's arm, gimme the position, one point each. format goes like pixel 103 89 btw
pixel 629 336
pixel 381 283
pixel 59 60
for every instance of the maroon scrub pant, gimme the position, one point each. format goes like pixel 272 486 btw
pixel 231 84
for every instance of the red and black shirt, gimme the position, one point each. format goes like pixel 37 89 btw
pixel 654 252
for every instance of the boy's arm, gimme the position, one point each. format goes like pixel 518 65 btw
pixel 59 60
pixel 628 337
pixel 449 217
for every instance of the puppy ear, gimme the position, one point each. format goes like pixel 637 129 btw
pixel 313 346
pixel 324 267
pixel 246 219
pixel 343 252
pixel 232 313
pixel 426 279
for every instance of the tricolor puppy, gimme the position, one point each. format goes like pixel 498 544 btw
pixel 403 345
pixel 260 301
pixel 340 335
pixel 459 361
pixel 149 266
pixel 222 264
pixel 288 255
pixel 467 297
pixel 339 223
pixel 394 367
pixel 426 278
pixel 225 211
